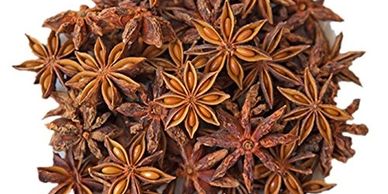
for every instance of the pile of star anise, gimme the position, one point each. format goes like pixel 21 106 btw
pixel 194 96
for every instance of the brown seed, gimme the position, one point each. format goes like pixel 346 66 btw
pixel 210 98
pixel 244 35
pixel 204 112
pixel 111 170
pixel 119 188
pixel 177 51
pixel 190 80
pixel 191 118
pixel 150 175
pixel 227 26
pixel 179 114
pixel 215 66
pixel 38 49
pixel 176 85
pixel 117 152
pixel 171 100
pixel 234 67
pixel 210 33
pixel 245 52
pixel 136 152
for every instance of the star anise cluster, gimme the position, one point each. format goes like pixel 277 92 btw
pixel 194 96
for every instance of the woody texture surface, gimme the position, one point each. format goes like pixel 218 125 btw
pixel 194 96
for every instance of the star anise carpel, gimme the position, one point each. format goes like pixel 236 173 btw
pixel 53 62
pixel 126 171
pixel 105 75
pixel 70 175
pixel 238 135
pixel 228 47
pixel 312 110
pixel 264 69
pixel 191 97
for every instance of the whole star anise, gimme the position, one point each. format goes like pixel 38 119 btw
pixel 82 134
pixel 79 25
pixel 313 109
pixel 104 74
pixel 70 175
pixel 190 98
pixel 149 113
pixel 237 135
pixel 196 170
pixel 229 47
pixel 125 171
pixel 264 69
pixel 288 161
pixel 52 63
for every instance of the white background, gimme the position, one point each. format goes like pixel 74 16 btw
pixel 24 138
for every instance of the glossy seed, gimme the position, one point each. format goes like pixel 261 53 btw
pixel 274 184
pixel 171 100
pixel 137 152
pixel 227 27
pixel 191 118
pixel 190 80
pixel 234 67
pixel 332 112
pixel 204 112
pixel 175 84
pixel 38 49
pixel 210 33
pixel 211 98
pixel 245 52
pixel 216 64
pixel 201 61
pixel 119 188
pixel 177 51
pixel 150 175
pixel 244 35
pixel 110 170
pixel 178 115
pixel 117 152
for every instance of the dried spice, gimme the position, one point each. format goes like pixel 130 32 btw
pixel 145 104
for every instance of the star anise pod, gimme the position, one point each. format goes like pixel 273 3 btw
pixel 305 9
pixel 149 113
pixel 124 172
pixel 196 169
pixel 342 144
pixel 287 159
pixel 70 175
pixel 191 97
pixel 264 69
pixel 264 7
pixel 82 135
pixel 52 63
pixel 138 22
pixel 312 110
pixel 230 47
pixel 105 75
pixel 338 63
pixel 237 135
pixel 79 25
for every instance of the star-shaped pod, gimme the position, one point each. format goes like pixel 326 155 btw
pixel 237 135
pixel 106 76
pixel 52 63
pixel 79 25
pixel 190 98
pixel 229 47
pixel 312 110
pixel 125 172
pixel 70 175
